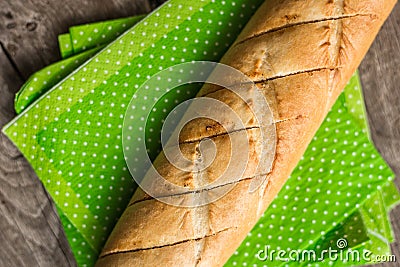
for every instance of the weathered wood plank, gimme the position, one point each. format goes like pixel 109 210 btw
pixel 29 28
pixel 30 230
pixel 381 84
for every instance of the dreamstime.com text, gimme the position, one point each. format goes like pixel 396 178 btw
pixel 330 254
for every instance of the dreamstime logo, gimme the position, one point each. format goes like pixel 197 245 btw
pixel 341 243
pixel 342 254
pixel 167 187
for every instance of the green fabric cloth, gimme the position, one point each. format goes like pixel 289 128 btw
pixel 43 80
pixel 65 45
pixel 76 47
pixel 84 37
pixel 61 156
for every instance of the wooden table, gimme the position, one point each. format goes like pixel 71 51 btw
pixel 30 230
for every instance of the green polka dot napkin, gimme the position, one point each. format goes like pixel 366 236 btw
pixel 43 80
pixel 72 136
pixel 83 37
pixel 78 46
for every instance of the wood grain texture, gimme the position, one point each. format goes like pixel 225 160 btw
pixel 29 28
pixel 380 77
pixel 30 229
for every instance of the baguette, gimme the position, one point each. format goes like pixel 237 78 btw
pixel 300 54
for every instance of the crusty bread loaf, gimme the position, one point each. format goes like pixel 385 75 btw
pixel 300 54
